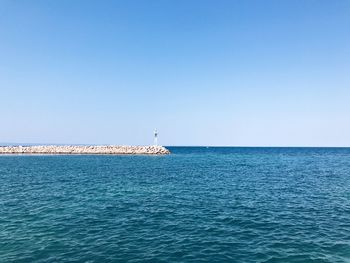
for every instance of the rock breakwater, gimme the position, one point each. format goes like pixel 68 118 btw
pixel 72 149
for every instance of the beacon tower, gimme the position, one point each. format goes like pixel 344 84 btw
pixel 155 137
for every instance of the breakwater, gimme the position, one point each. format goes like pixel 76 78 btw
pixel 73 149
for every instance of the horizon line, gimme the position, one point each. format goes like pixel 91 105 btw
pixel 2 144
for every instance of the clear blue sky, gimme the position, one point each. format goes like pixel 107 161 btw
pixel 246 73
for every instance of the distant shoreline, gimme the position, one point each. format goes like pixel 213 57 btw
pixel 87 149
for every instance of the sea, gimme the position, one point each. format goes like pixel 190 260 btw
pixel 198 204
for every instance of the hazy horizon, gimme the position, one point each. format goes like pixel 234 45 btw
pixel 210 73
pixel 211 146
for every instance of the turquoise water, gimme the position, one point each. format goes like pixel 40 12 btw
pixel 196 205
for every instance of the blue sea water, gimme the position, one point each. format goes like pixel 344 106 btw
pixel 196 205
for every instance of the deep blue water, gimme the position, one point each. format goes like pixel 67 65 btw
pixel 195 205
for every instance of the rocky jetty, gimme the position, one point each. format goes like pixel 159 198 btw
pixel 72 149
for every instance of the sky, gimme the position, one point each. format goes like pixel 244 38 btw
pixel 216 73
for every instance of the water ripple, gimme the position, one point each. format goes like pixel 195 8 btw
pixel 196 205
